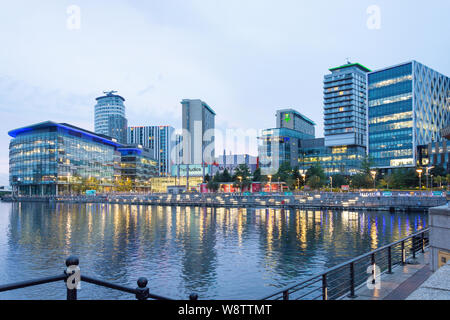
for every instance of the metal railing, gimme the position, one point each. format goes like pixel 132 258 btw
pixel 343 279
pixel 142 292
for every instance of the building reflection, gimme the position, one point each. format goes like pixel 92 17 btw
pixel 183 250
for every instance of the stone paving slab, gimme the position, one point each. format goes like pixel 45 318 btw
pixel 437 287
pixel 400 284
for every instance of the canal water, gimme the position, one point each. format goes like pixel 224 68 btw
pixel 217 253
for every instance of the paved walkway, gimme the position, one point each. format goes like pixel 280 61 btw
pixel 400 284
pixel 437 287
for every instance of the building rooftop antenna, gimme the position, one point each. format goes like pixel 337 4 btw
pixel 348 60
pixel 109 93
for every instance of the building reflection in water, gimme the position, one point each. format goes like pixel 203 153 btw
pixel 218 253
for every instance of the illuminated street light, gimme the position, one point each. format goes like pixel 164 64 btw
pixel 374 175
pixel 270 182
pixel 419 171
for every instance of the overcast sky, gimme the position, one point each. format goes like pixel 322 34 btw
pixel 245 58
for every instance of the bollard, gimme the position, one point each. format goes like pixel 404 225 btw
pixel 142 291
pixel 193 296
pixel 71 261
pixel 286 295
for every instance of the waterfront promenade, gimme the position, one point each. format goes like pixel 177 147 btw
pixel 377 201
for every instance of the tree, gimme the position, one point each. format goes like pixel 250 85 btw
pixel 257 175
pixel 315 176
pixel 361 180
pixel 213 185
pixel 339 180
pixel 438 171
pixel 225 176
pixel 242 171
pixel 315 182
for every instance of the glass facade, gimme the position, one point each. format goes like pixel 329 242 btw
pixel 277 146
pixel 110 116
pixel 345 106
pixel 138 166
pixel 50 158
pixel 408 104
pixel 344 160
pixel 159 140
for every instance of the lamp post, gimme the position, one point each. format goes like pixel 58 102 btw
pixel 331 182
pixel 374 175
pixel 419 171
pixel 427 174
pixel 240 183
pixel 270 182
pixel 304 178
pixel 278 187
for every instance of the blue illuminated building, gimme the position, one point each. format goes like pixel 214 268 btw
pixel 408 105
pixel 52 158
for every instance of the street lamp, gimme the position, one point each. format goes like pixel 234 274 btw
pixel 374 175
pixel 419 171
pixel 240 183
pixel 331 182
pixel 427 173
pixel 270 182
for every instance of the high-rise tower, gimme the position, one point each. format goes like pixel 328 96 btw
pixel 110 117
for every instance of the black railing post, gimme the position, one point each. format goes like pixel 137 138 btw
pixel 373 267
pixel 352 281
pixel 71 293
pixel 389 260
pixel 142 291
pixel 193 296
pixel 413 244
pixel 423 242
pixel 286 295
pixel 403 253
pixel 324 287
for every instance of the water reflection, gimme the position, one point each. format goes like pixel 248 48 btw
pixel 218 253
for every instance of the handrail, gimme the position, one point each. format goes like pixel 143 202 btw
pixel 305 283
pixel 142 292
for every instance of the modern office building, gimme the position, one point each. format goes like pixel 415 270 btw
pixel 159 140
pixel 51 158
pixel 344 160
pixel 345 106
pixel 408 105
pixel 198 132
pixel 137 167
pixel 281 145
pixel 292 119
pixel 110 119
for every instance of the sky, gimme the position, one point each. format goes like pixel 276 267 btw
pixel 246 59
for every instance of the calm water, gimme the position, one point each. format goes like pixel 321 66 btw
pixel 219 254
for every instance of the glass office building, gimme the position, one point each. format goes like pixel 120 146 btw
pixel 159 140
pixel 278 146
pixel 110 116
pixel 51 158
pixel 344 160
pixel 408 105
pixel 345 114
pixel 137 166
